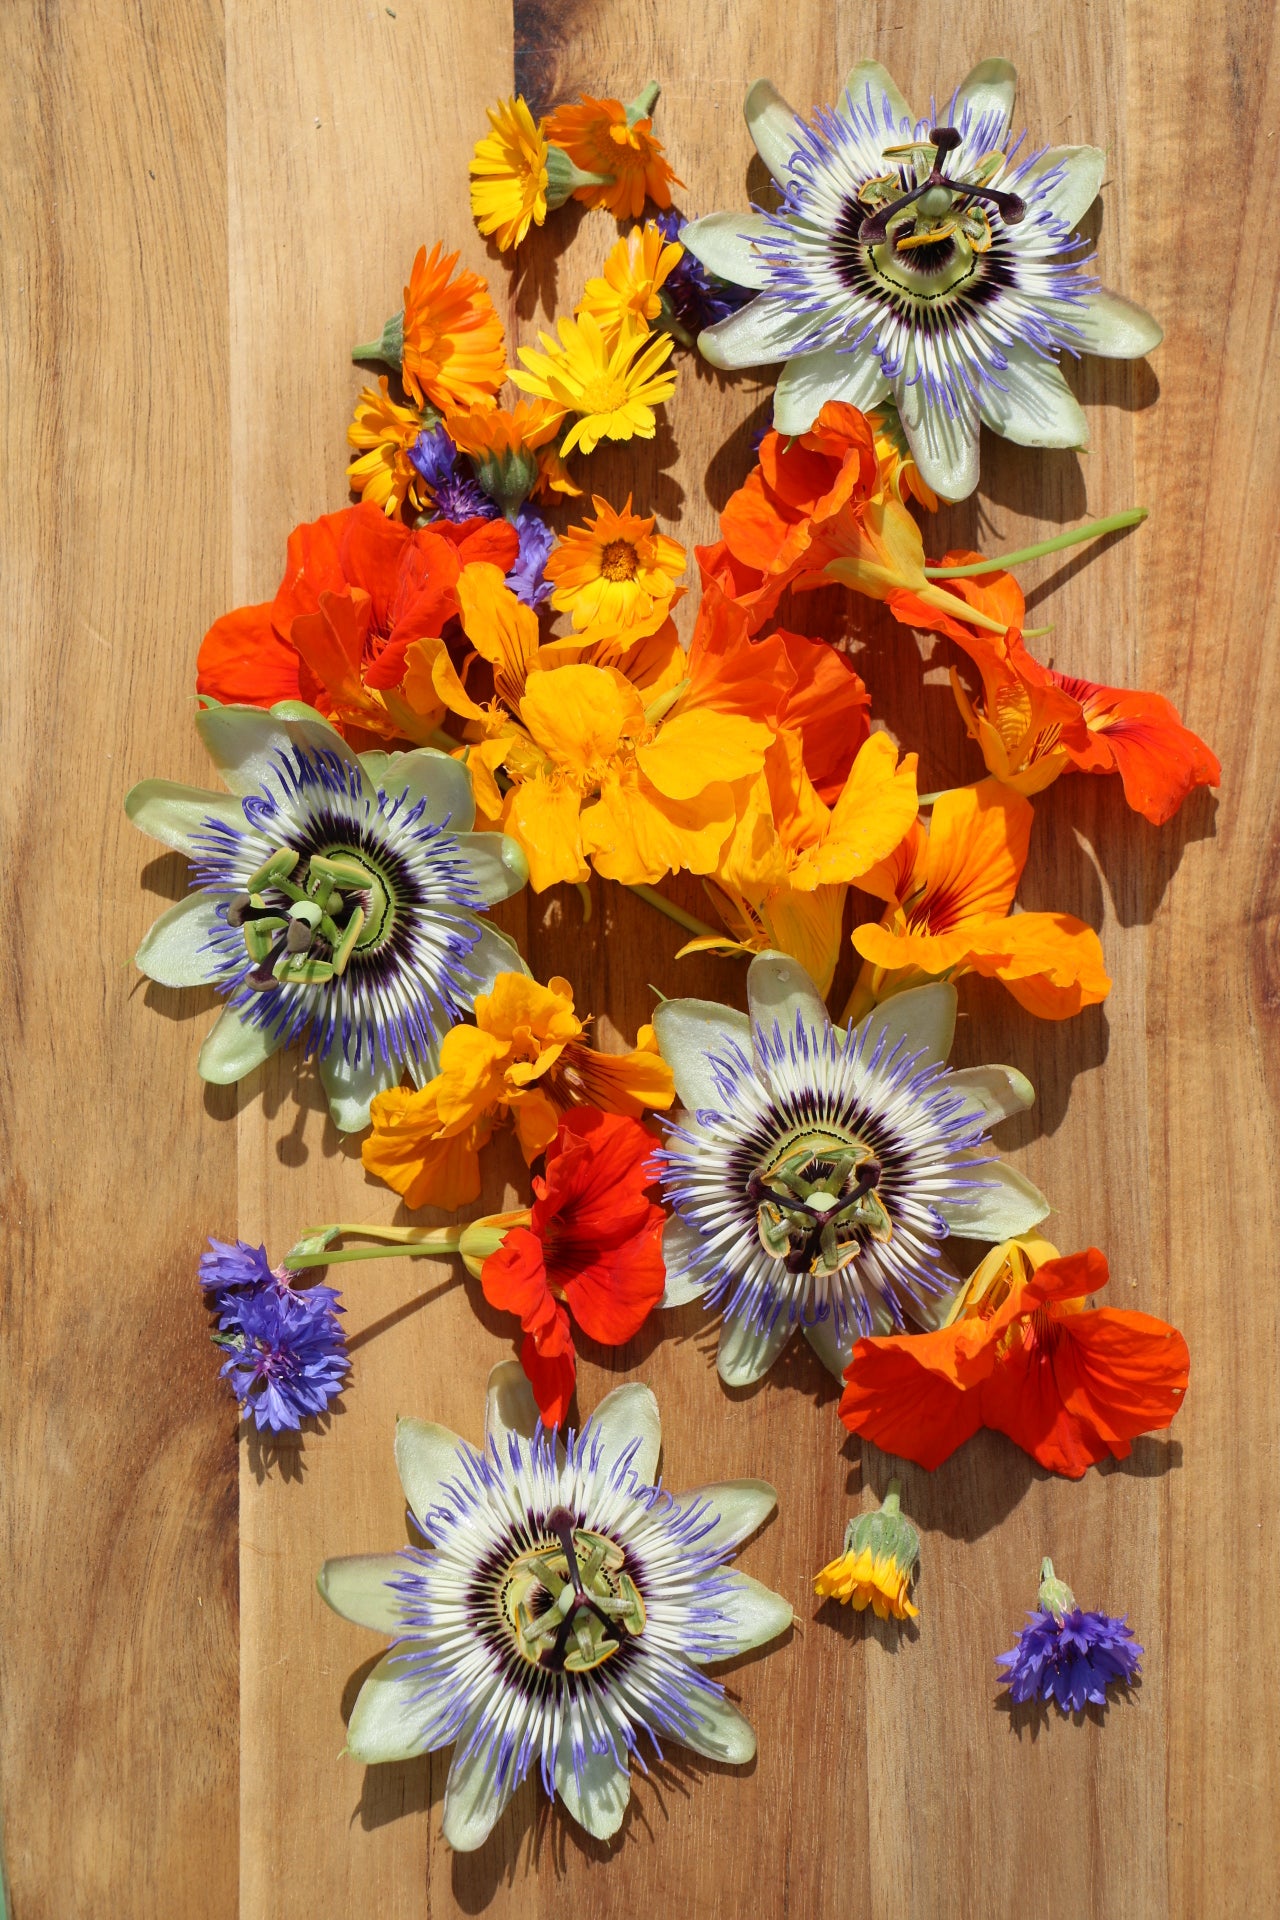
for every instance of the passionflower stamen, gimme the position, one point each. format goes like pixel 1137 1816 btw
pixel 1010 206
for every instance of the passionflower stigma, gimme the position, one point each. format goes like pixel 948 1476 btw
pixel 566 1606
pixel 928 261
pixel 814 1174
pixel 336 901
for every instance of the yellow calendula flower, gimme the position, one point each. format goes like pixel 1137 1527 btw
pixel 616 576
pixel 525 1058
pixel 612 385
pixel 383 432
pixel 628 292
pixel 509 175
pixel 875 1570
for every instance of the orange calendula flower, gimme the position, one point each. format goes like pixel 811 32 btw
pixel 616 576
pixel 627 294
pixel 383 432
pixel 790 860
pixel 505 445
pixel 612 383
pixel 1034 723
pixel 509 175
pixel 1022 1354
pixel 525 1059
pixel 949 891
pixel 604 137
pixel 454 348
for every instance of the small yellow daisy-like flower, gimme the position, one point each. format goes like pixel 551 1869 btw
pixel 604 137
pixel 627 294
pixel 383 432
pixel 616 576
pixel 509 175
pixel 881 1550
pixel 612 385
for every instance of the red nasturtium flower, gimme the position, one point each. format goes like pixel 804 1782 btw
pixel 592 1249
pixel 358 590
pixel 1022 1354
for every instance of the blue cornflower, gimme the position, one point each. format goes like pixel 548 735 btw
pixel 455 495
pixel 286 1352
pixel 691 297
pixel 1069 1656
pixel 526 579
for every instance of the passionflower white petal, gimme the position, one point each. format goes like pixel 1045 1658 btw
pixel 566 1608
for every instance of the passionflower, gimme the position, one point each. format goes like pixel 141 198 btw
pixel 932 261
pixel 336 901
pixel 814 1175
pixel 565 1608
pixel 1069 1656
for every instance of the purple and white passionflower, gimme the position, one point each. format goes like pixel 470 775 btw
pixel 337 901
pixel 932 262
pixel 814 1173
pixel 566 1607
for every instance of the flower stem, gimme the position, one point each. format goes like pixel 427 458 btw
pixel 892 1502
pixel 1114 522
pixel 688 921
pixel 411 1242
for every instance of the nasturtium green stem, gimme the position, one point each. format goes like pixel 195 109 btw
pixel 1001 562
pixel 689 921
pixel 401 1242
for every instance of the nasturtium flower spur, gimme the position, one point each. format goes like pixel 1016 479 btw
pixel 815 1174
pixel 1069 1656
pixel 930 261
pixel 565 1608
pixel 336 901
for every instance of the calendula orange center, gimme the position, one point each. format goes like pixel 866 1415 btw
pixel 619 561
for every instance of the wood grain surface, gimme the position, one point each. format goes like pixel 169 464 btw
pixel 205 202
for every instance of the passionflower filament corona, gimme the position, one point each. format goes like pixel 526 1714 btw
pixel 815 1175
pixel 566 1608
pixel 336 901
pixel 931 261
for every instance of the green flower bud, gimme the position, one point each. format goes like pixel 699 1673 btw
pixel 507 477
pixel 1055 1596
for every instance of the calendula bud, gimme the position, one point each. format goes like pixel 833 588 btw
pixel 880 1554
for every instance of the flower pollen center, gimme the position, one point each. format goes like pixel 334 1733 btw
pixel 816 1201
pixel 568 1604
pixel 303 918
pixel 619 561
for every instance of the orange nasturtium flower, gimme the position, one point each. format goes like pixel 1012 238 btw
pixel 949 889
pixel 1033 723
pixel 525 1059
pixel 615 576
pixel 1024 1355
pixel 790 860
pixel 453 353
pixel 600 136
pixel 828 505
